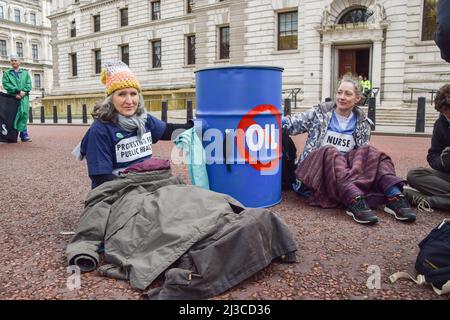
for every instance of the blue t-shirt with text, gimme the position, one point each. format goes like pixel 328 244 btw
pixel 340 133
pixel 108 148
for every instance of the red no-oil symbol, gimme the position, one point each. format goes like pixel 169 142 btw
pixel 247 127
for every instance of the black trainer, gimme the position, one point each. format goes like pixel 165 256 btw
pixel 418 199
pixel 400 208
pixel 360 211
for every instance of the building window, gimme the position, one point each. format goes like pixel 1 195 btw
pixel 96 19
pixel 98 60
pixel 74 65
pixel 156 10
pixel 190 49
pixel 355 16
pixel 224 42
pixel 17 15
pixel 3 51
pixel 124 17
pixel 37 81
pixel 429 19
pixel 125 54
pixel 73 29
pixel 287 30
pixel 156 54
pixel 2 13
pixel 33 18
pixel 34 52
pixel 19 49
pixel 189 5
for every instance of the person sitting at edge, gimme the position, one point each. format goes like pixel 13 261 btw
pixel 442 33
pixel 338 166
pixel 17 83
pixel 120 121
pixel 432 185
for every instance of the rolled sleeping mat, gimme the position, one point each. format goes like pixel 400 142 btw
pixel 85 262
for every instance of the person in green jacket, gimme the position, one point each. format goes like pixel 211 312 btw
pixel 17 82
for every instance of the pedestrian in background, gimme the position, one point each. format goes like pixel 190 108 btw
pixel 432 185
pixel 367 86
pixel 17 83
pixel 361 81
pixel 338 167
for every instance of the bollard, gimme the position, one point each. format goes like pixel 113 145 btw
pixel 189 115
pixel 42 114
pixel 420 119
pixel 164 110
pixel 55 114
pixel 371 112
pixel 30 115
pixel 287 107
pixel 328 99
pixel 69 113
pixel 84 113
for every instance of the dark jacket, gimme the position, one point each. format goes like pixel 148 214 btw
pixel 152 221
pixel 439 141
pixel 442 35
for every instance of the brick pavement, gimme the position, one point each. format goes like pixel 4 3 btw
pixel 43 193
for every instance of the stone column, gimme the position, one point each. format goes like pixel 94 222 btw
pixel 326 73
pixel 376 66
pixel 311 43
pixel 12 45
pixel 27 49
pixel 238 17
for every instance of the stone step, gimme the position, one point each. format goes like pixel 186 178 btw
pixel 402 123
pixel 404 116
pixel 400 116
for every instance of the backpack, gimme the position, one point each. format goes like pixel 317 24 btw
pixel 433 260
pixel 289 155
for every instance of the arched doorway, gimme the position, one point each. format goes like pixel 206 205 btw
pixel 354 60
pixel 352 41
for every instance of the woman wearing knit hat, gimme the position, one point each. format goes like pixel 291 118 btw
pixel 122 133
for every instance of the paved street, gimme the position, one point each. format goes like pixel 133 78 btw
pixel 43 189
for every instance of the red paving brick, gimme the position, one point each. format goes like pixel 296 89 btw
pixel 43 194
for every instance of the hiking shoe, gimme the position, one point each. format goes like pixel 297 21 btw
pixel 25 137
pixel 360 211
pixel 400 208
pixel 418 199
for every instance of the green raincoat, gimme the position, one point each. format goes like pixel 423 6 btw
pixel 13 86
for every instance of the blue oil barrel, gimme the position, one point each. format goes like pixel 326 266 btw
pixel 240 111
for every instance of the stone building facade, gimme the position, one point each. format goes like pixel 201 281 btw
pixel 389 41
pixel 25 30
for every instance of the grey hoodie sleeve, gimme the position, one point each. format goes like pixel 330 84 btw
pixel 83 249
pixel 299 123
